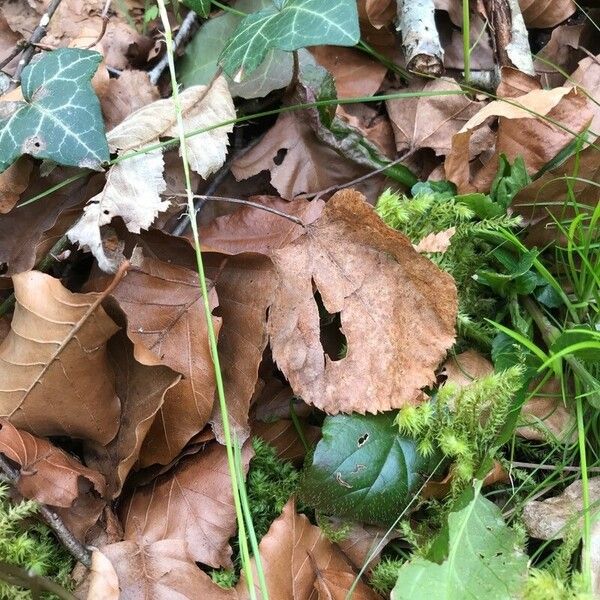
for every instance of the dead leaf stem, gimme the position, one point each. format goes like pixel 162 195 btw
pixel 77 550
pixel 105 19
pixel 36 583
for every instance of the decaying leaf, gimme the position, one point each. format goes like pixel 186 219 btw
pixel 461 369
pixel 294 553
pixel 522 131
pixel 47 474
pixel 13 182
pixel 165 315
pixel 546 13
pixel 55 378
pixel 397 311
pixel 334 585
pixel 193 502
pixel 436 242
pixel 134 185
pixel 103 580
pixel 284 437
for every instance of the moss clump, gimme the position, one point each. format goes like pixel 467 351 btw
pixel 384 575
pixel 31 545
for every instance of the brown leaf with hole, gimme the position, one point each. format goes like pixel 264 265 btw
pixel 13 182
pixel 161 570
pixel 292 552
pixel 165 314
pixel 103 580
pixel 193 502
pixel 141 388
pixel 245 287
pixel 307 166
pixel 430 122
pixel 55 377
pixel 563 112
pixel 397 311
pixel 47 474
pixel 539 14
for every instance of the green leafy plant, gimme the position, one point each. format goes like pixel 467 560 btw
pixel 364 470
pixel 289 25
pixel 59 118
pixel 29 544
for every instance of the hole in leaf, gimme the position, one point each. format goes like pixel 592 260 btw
pixel 280 156
pixel 106 212
pixel 362 440
pixel 332 339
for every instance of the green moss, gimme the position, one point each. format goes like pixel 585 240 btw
pixel 384 575
pixel 29 544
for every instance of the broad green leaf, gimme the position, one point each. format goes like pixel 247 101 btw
pixel 509 180
pixel 364 470
pixel 60 118
pixel 201 7
pixel 483 560
pixel 582 342
pixel 289 25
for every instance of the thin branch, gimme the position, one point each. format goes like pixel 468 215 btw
pixel 72 544
pixel 340 186
pixel 36 583
pixel 38 33
pixel 274 211
pixel 526 465
pixel 105 19
pixel 185 32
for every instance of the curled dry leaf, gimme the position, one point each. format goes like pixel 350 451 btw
pixel 55 378
pixel 535 126
pixel 193 502
pixel 13 182
pixel 103 580
pixel 165 315
pixel 161 571
pixel 430 122
pixel 47 474
pixel 134 185
pixel 546 13
pixel 141 386
pixel 295 553
pixel 397 311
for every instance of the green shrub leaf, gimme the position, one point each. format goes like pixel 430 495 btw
pixel 364 470
pixel 289 25
pixel 483 560
pixel 60 118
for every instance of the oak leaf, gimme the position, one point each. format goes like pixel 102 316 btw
pixel 397 311
pixel 55 378
pixel 193 502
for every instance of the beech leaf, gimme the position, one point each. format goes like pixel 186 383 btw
pixel 289 25
pixel 397 311
pixel 55 378
pixel 60 116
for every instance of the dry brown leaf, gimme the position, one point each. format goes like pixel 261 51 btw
pixel 252 230
pixel 4 327
pixel 48 474
pixel 515 83
pixel 161 571
pixel 103 580
pixel 378 12
pixel 546 13
pixel 13 183
pixel 372 125
pixel 292 552
pixel 165 315
pixel 8 39
pixel 245 287
pixel 355 73
pixel 520 133
pixel 430 122
pixel 436 242
pixel 141 388
pixel 462 369
pixel 283 436
pixel 21 230
pixel 55 378
pixel 308 165
pixel 119 102
pixel 334 585
pixel 587 77
pixel 193 502
pixel 397 311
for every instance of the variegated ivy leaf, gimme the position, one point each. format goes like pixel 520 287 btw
pixel 59 118
pixel 289 25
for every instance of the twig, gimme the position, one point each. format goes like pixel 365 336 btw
pixel 526 465
pixel 360 179
pixel 38 33
pixel 36 583
pixel 78 550
pixel 279 213
pixel 105 19
pixel 185 31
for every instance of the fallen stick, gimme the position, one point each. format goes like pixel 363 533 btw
pixel 420 38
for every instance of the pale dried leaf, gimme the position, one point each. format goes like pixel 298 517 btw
pixel 103 580
pixel 397 311
pixel 54 371
pixel 462 369
pixel 436 242
pixel 194 502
